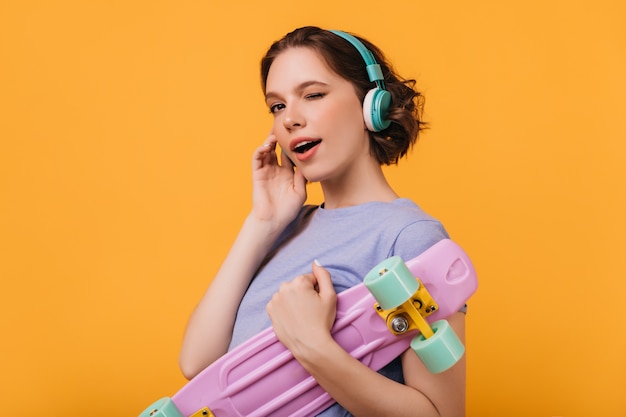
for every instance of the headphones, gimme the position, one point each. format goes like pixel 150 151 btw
pixel 377 100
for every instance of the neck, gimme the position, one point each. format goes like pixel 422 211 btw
pixel 360 187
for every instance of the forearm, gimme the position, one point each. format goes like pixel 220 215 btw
pixel 365 392
pixel 209 329
pixel 359 389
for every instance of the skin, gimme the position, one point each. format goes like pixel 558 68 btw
pixel 310 103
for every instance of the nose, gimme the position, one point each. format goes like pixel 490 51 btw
pixel 293 118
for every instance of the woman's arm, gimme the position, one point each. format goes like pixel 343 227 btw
pixel 359 389
pixel 278 195
pixel 210 326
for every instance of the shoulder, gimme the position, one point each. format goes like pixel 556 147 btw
pixel 416 230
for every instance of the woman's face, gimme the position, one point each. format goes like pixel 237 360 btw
pixel 318 118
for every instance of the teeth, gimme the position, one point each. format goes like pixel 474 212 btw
pixel 301 144
pixel 305 145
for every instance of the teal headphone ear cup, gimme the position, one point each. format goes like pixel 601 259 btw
pixel 375 108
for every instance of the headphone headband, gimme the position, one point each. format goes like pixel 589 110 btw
pixel 374 72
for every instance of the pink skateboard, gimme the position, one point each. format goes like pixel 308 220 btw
pixel 376 321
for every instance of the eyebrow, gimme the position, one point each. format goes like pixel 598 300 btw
pixel 299 88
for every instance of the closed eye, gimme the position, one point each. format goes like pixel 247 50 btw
pixel 280 106
pixel 314 96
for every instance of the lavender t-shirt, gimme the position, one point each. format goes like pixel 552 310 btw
pixel 348 242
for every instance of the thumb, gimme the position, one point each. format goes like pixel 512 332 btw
pixel 324 281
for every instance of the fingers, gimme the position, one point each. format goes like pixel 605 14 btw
pixel 308 304
pixel 299 283
pixel 323 280
pixel 270 141
pixel 265 154
pixel 269 145
pixel 320 280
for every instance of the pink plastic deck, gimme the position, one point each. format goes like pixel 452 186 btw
pixel 261 377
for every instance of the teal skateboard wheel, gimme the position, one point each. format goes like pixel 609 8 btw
pixel 391 283
pixel 162 408
pixel 440 351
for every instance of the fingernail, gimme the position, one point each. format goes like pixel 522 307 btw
pixel 316 262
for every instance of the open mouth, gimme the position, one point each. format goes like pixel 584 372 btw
pixel 302 147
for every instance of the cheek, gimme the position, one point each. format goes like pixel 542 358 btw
pixel 278 127
pixel 354 112
pixel 344 115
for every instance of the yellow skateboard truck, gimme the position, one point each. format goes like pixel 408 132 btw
pixel 410 315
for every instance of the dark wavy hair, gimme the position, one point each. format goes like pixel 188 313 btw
pixel 405 113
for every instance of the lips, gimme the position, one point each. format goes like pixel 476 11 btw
pixel 304 148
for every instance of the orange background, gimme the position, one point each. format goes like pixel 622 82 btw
pixel 126 129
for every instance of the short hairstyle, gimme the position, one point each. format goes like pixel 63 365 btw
pixel 405 112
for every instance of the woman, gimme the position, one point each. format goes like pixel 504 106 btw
pixel 316 86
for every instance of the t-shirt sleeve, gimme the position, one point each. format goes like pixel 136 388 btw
pixel 416 237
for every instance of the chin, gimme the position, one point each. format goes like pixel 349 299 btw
pixel 311 177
